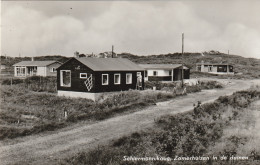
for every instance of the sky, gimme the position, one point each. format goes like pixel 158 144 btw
pixel 37 28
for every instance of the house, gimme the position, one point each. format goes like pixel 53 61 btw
pixel 91 77
pixel 215 68
pixel 36 68
pixel 165 72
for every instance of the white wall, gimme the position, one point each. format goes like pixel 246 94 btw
pixel 206 68
pixel 15 73
pixel 160 72
pixel 72 94
pixel 41 71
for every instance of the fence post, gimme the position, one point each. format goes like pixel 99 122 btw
pixel 11 81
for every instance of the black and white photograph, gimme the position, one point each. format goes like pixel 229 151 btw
pixel 120 82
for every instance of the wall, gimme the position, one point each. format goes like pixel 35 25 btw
pixel 161 72
pixel 49 67
pixel 159 78
pixel 41 71
pixel 162 75
pixel 116 87
pixel 178 74
pixel 77 84
pixel 15 73
pixel 217 69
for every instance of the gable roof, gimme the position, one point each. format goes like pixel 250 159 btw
pixel 109 64
pixel 35 63
pixel 161 66
pixel 207 63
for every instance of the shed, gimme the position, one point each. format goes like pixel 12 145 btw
pixel 91 77
pixel 165 72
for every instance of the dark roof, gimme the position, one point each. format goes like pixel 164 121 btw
pixel 207 63
pixel 109 64
pixel 161 66
pixel 35 63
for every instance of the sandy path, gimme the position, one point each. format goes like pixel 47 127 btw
pixel 48 149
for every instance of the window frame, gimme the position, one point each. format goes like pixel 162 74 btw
pixel 53 70
pixel 117 74
pixel 61 78
pixel 131 78
pixel 210 68
pixel 170 72
pixel 21 71
pixel 145 73
pixel 80 75
pixel 107 79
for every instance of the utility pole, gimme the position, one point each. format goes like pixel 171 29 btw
pixel 112 51
pixel 182 74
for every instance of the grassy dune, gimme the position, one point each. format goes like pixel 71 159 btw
pixel 224 127
pixel 31 106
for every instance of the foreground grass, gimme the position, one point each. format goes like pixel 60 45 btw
pixel 241 137
pixel 202 132
pixel 25 112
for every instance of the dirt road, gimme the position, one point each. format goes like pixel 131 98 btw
pixel 49 148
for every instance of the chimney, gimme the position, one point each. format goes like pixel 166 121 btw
pixel 112 51
pixel 32 58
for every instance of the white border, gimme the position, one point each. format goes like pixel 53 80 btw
pixel 107 79
pixel 131 78
pixel 61 77
pixel 83 74
pixel 119 78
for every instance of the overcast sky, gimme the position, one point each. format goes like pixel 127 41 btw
pixel 36 28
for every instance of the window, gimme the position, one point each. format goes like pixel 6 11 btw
pixel 104 79
pixel 17 71
pixel 20 71
pixel 117 79
pixel 53 70
pixel 230 69
pixel 129 78
pixel 83 75
pixel 155 73
pixel 210 68
pixel 65 77
pixel 199 68
pixel 145 73
pixel 170 73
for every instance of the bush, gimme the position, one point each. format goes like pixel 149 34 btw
pixel 9 81
pixel 187 134
pixel 34 83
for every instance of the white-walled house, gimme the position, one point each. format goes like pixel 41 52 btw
pixel 215 68
pixel 165 72
pixel 36 68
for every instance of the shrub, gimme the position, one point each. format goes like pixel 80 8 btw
pixel 187 134
pixel 9 81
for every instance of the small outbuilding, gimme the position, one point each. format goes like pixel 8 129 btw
pixel 215 68
pixel 36 68
pixel 91 77
pixel 165 72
